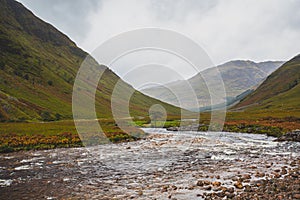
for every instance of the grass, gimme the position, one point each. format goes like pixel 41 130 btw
pixel 48 135
pixel 157 124
pixel 26 136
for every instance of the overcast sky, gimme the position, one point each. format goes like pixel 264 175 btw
pixel 227 30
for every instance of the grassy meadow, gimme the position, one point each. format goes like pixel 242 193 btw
pixel 47 135
pixel 16 136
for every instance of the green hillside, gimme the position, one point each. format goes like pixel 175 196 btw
pixel 279 94
pixel 38 65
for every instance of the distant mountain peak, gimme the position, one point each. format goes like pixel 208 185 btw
pixel 238 76
pixel 280 91
pixel 240 63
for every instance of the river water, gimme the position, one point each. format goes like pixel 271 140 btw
pixel 164 165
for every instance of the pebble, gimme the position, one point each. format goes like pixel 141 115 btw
pixel 280 197
pixel 284 171
pixel 217 189
pixel 200 183
pixel 207 187
pixel 248 188
pixel 230 190
pixel 260 175
pixel 229 195
pixel 191 187
pixel 206 182
pixel 296 196
pixel 246 176
pixel 216 183
pixel 276 175
pixel 164 189
pixel 220 194
pixel 238 185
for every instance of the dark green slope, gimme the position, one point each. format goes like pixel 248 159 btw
pixel 280 91
pixel 38 65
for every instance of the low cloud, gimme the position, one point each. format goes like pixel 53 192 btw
pixel 227 30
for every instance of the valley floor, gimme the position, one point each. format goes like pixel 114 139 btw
pixel 164 165
pixel 16 136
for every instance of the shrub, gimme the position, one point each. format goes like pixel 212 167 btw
pixel 57 116
pixel 2 65
pixel 26 76
pixel 46 116
pixel 6 149
pixel 50 82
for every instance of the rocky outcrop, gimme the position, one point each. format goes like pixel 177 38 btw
pixel 290 136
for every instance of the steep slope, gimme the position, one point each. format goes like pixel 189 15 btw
pixel 38 65
pixel 280 91
pixel 238 76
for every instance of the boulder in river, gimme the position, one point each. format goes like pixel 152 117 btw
pixel 172 129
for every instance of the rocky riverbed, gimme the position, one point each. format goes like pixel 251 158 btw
pixel 165 165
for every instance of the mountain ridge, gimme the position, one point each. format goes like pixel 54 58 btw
pixel 238 75
pixel 38 66
pixel 280 90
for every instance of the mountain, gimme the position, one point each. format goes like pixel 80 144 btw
pixel 38 65
pixel 280 92
pixel 238 77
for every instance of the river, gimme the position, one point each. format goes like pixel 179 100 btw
pixel 164 165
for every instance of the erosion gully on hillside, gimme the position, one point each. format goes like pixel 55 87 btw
pixel 165 165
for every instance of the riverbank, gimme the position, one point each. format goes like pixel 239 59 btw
pixel 164 165
pixel 63 134
pixel 19 136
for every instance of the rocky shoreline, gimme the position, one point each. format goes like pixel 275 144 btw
pixel 290 136
pixel 284 184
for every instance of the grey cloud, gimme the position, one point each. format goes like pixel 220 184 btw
pixel 177 10
pixel 69 16
pixel 226 29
